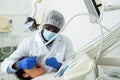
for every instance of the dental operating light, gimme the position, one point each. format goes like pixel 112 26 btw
pixel 31 21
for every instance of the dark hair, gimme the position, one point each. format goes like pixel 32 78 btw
pixel 19 75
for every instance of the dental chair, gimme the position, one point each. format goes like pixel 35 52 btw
pixel 109 60
pixel 110 64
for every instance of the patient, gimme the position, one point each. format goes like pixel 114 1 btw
pixel 28 74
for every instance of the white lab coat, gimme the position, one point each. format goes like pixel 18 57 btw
pixel 61 49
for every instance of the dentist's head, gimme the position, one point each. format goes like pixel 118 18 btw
pixel 52 24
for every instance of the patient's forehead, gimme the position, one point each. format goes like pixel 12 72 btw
pixel 37 70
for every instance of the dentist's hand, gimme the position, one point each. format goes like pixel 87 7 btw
pixel 27 63
pixel 52 62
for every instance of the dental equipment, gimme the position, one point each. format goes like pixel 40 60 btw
pixel 31 22
pixel 92 48
pixel 93 9
pixel 62 71
pixel 80 62
pixel 64 67
pixel 96 9
pixel 34 2
pixel 112 5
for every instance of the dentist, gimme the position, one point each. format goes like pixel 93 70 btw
pixel 60 48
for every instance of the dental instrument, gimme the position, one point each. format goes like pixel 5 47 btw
pixel 65 66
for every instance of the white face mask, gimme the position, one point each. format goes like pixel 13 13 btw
pixel 48 35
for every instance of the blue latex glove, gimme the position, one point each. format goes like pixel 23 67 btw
pixel 52 62
pixel 27 63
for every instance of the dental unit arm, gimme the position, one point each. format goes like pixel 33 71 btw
pixel 97 7
pixel 31 22
pixel 34 4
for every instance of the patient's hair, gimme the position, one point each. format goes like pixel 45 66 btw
pixel 20 76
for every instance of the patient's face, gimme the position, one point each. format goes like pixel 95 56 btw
pixel 36 71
